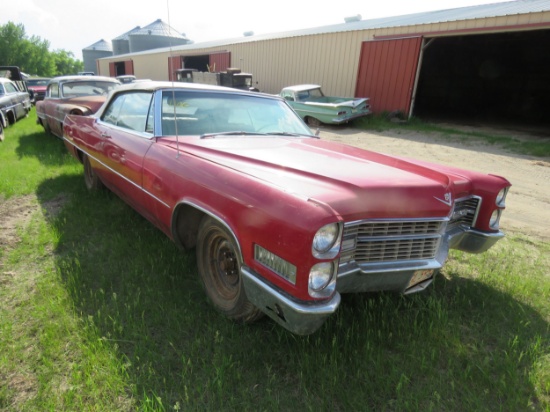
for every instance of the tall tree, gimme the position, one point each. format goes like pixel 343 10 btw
pixel 32 54
pixel 65 62
pixel 12 42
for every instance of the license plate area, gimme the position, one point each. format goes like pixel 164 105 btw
pixel 420 276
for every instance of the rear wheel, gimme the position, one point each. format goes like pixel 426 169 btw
pixel 313 122
pixel 1 131
pixel 92 180
pixel 219 265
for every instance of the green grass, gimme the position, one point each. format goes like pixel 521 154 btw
pixel 99 311
pixel 515 142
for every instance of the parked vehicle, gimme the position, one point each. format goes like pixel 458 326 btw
pixel 126 78
pixel 15 101
pixel 315 108
pixel 37 87
pixel 282 221
pixel 79 95
pixel 233 77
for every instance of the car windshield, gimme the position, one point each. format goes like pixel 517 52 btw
pixel 200 113
pixel 87 88
pixel 304 95
pixel 37 82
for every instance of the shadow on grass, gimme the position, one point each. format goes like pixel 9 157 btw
pixel 49 150
pixel 460 345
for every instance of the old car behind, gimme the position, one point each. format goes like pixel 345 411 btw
pixel 315 108
pixel 15 101
pixel 282 221
pixel 37 87
pixel 79 95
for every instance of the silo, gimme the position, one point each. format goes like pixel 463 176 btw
pixel 96 51
pixel 156 35
pixel 121 44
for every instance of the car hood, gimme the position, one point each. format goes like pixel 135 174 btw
pixel 355 183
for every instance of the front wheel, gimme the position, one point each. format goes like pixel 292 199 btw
pixel 219 264
pixel 92 180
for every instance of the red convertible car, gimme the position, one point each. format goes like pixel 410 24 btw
pixel 282 221
pixel 80 95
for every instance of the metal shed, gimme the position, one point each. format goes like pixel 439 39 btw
pixel 155 35
pixel 463 61
pixel 96 51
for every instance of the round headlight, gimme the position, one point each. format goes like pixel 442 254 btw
pixel 495 217
pixel 325 238
pixel 321 280
pixel 501 197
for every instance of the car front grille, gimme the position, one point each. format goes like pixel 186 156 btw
pixel 391 241
pixel 464 213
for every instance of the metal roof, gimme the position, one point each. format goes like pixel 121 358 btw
pixel 102 45
pixel 507 8
pixel 483 11
pixel 125 35
pixel 158 28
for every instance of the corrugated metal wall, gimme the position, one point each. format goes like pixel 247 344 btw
pixel 387 73
pixel 129 67
pixel 174 63
pixel 331 60
pixel 220 62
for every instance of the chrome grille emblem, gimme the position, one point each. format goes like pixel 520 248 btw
pixel 448 199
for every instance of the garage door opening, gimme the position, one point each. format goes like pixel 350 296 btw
pixel 199 63
pixel 492 78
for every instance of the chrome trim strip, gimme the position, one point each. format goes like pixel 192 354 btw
pixel 380 220
pixel 479 202
pixel 118 174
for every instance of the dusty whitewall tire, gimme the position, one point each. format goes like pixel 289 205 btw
pixel 219 264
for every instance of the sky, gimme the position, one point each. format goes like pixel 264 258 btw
pixel 74 25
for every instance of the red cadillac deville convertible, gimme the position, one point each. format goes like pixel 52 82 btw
pixel 282 221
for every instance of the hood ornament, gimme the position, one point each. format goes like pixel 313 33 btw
pixel 448 199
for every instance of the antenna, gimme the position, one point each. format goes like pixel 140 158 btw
pixel 171 60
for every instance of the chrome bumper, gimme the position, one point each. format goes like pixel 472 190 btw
pixel 301 318
pixel 473 241
pixel 397 276
pixel 304 318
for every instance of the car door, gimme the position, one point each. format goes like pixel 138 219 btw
pixel 14 100
pixel 49 105
pixel 126 134
pixel 4 100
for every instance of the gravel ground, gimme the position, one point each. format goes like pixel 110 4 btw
pixel 528 202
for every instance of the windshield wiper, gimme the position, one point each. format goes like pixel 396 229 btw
pixel 291 134
pixel 233 133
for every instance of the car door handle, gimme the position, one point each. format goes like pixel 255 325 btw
pixel 105 135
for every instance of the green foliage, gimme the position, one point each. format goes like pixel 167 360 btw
pixel 32 54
